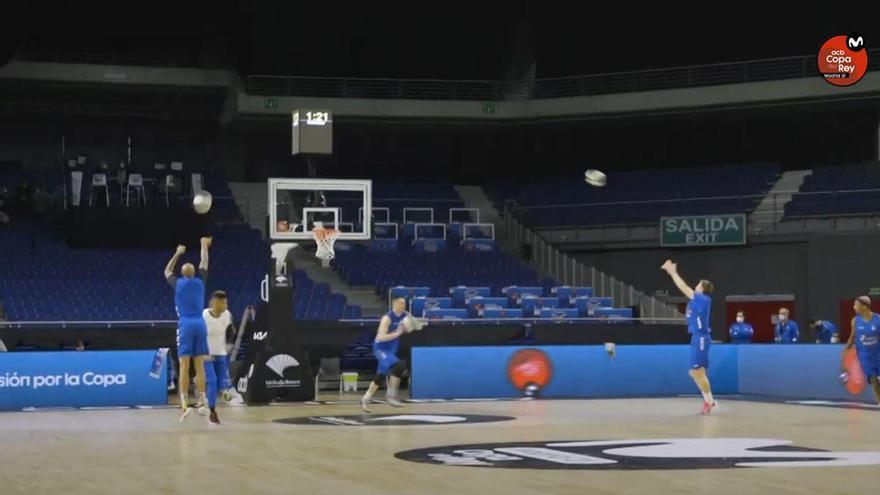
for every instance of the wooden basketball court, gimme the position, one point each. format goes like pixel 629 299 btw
pixel 148 451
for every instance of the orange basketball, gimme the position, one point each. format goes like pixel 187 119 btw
pixel 529 367
pixel 855 382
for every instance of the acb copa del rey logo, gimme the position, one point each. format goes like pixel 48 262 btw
pixel 843 59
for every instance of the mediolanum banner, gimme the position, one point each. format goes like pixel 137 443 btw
pixel 703 230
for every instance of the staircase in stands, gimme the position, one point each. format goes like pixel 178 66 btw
pixel 476 197
pixel 772 207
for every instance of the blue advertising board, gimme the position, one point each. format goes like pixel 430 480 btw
pixel 81 379
pixel 796 371
pixel 574 371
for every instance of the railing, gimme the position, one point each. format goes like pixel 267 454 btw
pixel 769 69
pixel 527 321
pixel 569 271
pixel 396 89
pixel 86 323
pixel 598 84
pixel 358 322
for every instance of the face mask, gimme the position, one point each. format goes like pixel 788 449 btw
pixel 740 319
pixel 782 317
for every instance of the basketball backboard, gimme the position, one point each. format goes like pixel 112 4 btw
pixel 295 205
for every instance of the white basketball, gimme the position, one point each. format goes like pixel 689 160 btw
pixel 595 178
pixel 410 324
pixel 202 202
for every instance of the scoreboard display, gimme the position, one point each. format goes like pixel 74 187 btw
pixel 312 132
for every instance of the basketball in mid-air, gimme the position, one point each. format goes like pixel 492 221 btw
pixel 202 202
pixel 595 178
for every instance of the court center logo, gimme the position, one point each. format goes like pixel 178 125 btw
pixel 393 420
pixel 530 370
pixel 669 454
pixel 843 59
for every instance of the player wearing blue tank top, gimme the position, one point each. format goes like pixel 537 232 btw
pixel 192 333
pixel 865 336
pixel 385 350
pixel 698 310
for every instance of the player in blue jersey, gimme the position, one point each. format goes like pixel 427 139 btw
pixel 192 333
pixel 385 349
pixel 865 336
pixel 698 310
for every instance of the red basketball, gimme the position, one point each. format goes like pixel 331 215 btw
pixel 529 367
pixel 855 382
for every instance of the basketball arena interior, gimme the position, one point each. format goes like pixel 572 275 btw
pixel 293 247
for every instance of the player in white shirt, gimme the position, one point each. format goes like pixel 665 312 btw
pixel 219 322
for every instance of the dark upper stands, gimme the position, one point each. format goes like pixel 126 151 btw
pixel 852 190
pixel 637 197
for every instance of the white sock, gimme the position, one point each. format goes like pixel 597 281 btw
pixel 707 396
pixel 369 393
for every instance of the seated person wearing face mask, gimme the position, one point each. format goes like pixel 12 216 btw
pixel 740 331
pixel 787 331
pixel 826 332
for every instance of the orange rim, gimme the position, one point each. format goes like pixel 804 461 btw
pixel 322 234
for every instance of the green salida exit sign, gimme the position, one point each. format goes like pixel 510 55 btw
pixel 703 230
pixel 489 107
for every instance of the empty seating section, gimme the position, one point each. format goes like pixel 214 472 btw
pixel 421 199
pixel 224 207
pixel 474 302
pixel 853 190
pixel 44 280
pixel 436 271
pixel 637 197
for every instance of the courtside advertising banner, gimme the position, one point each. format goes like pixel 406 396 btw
pixel 82 379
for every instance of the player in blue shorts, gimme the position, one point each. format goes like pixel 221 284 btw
pixel 865 336
pixel 218 320
pixel 385 349
pixel 192 333
pixel 698 309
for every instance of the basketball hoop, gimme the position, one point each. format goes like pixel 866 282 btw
pixel 325 239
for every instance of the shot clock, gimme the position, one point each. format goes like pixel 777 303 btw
pixel 312 132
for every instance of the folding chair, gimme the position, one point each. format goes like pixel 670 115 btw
pixel 329 371
pixel 99 180
pixel 170 183
pixel 136 182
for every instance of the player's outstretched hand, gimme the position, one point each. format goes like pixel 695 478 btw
pixel 669 266
pixel 206 241
pixel 180 249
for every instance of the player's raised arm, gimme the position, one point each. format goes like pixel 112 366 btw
pixel 203 263
pixel 169 268
pixel 672 269
pixel 383 335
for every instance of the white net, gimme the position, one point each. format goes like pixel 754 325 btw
pixel 325 239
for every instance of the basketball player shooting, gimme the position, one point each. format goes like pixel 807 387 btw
pixel 385 349
pixel 192 334
pixel 698 309
pixel 865 336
